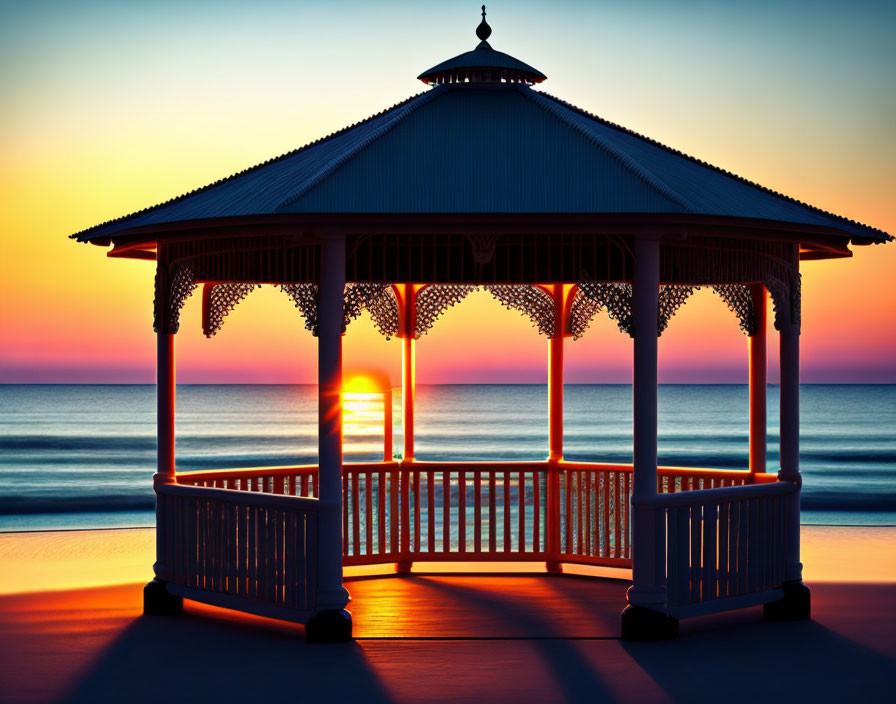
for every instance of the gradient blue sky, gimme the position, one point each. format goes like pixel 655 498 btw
pixel 107 107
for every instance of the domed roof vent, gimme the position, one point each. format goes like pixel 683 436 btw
pixel 482 65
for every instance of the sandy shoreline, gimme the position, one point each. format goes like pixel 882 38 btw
pixel 69 559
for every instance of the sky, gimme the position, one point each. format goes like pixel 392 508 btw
pixel 108 107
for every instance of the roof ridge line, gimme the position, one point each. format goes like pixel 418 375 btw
pixel 643 173
pixel 248 169
pixel 327 170
pixel 717 169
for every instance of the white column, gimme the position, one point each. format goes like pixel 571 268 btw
pixel 165 402
pixel 790 437
pixel 331 594
pixel 648 549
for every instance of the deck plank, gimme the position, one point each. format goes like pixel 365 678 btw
pixel 486 606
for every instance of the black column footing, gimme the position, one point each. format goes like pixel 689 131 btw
pixel 795 606
pixel 334 626
pixel 157 601
pixel 640 623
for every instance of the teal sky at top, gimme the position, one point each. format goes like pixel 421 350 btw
pixel 620 59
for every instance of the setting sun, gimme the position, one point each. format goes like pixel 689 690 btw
pixel 367 413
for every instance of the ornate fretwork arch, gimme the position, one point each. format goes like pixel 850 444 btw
pixel 671 298
pixel 304 297
pixel 785 300
pixel 379 300
pixel 533 301
pixel 739 300
pixel 582 312
pixel 170 298
pixel 434 300
pixel 218 301
pixel 592 297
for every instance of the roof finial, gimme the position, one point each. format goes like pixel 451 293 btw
pixel 483 31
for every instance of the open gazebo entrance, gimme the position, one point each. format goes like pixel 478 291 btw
pixel 483 181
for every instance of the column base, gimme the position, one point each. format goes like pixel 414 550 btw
pixel 157 601
pixel 553 567
pixel 795 606
pixel 403 566
pixel 643 624
pixel 334 626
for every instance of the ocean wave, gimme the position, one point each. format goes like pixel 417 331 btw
pixel 23 505
pixel 77 442
pixel 846 501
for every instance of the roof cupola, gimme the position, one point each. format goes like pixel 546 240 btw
pixel 482 65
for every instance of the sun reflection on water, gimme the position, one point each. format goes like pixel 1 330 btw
pixel 365 416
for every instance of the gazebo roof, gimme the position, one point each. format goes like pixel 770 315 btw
pixel 484 145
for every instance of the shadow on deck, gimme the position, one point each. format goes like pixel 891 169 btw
pixel 429 638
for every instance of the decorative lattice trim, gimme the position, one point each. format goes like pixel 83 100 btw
pixel 739 300
pixel 304 297
pixel 434 300
pixel 671 298
pixel 615 297
pixel 222 299
pixel 582 312
pixel 379 300
pixel 786 300
pixel 533 301
pixel 181 287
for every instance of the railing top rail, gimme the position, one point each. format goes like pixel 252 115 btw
pixel 663 471
pixel 249 472
pixel 245 498
pixel 466 466
pixel 528 466
pixel 708 496
pixel 702 471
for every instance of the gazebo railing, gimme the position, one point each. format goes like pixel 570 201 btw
pixel 725 547
pixel 478 511
pixel 254 552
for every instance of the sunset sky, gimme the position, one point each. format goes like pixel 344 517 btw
pixel 108 107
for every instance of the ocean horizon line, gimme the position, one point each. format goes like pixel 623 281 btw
pixel 457 383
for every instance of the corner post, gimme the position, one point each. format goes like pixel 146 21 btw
pixel 796 604
pixel 758 382
pixel 645 618
pixel 331 621
pixel 156 599
pixel 790 438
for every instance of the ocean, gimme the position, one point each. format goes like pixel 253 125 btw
pixel 82 456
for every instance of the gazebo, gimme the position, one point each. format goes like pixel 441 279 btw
pixel 484 181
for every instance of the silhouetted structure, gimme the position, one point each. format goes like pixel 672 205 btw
pixel 483 181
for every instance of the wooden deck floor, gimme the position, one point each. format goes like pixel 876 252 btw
pixel 483 606
pixel 441 639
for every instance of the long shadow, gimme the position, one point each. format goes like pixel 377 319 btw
pixel 796 661
pixel 202 659
pixel 573 676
